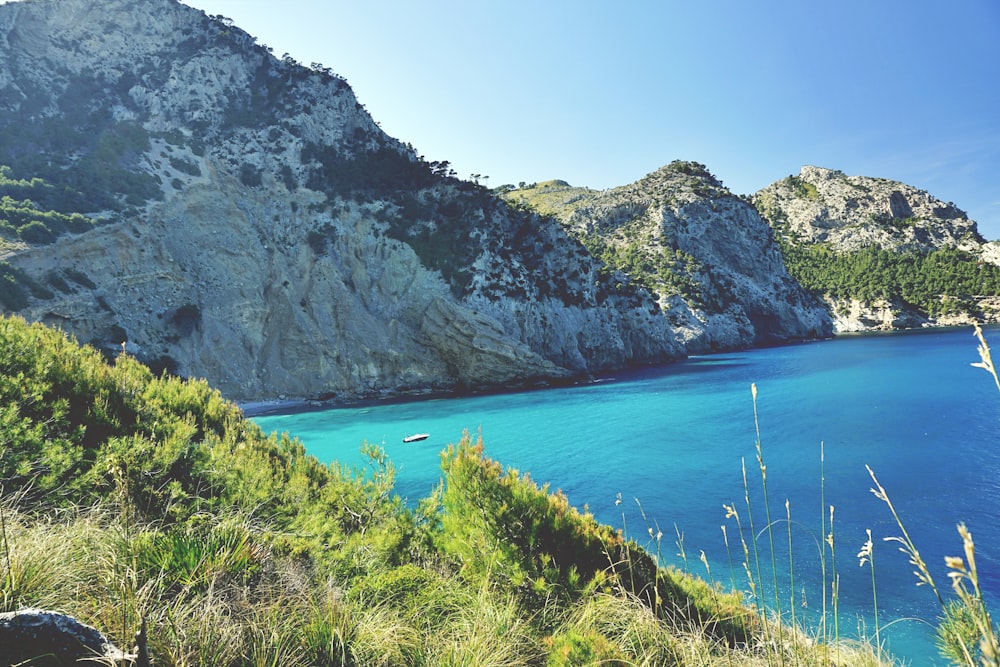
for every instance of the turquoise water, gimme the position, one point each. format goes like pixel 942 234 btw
pixel 908 405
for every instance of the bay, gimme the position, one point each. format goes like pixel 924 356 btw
pixel 661 450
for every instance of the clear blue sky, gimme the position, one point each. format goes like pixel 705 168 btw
pixel 600 93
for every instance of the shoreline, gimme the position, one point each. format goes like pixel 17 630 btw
pixel 289 406
pixel 293 405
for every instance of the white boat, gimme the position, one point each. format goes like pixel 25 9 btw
pixel 416 437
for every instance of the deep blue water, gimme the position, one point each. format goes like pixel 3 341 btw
pixel 908 405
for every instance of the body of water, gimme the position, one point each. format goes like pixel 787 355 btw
pixel 675 439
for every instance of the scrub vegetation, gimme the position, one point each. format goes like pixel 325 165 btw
pixel 939 282
pixel 130 500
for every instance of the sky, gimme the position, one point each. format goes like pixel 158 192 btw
pixel 600 93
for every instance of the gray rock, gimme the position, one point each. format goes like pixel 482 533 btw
pixel 848 213
pixel 851 212
pixel 727 286
pixel 259 269
pixel 42 638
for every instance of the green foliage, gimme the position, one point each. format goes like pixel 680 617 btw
pixel 802 188
pixel 410 187
pixel 378 173
pixel 240 549
pixel 502 526
pixel 74 429
pixel 185 166
pixel 576 648
pixel 661 270
pixel 958 632
pixel 505 529
pixel 78 163
pixel 937 282
pixel 250 175
pixel 194 557
pixel 22 214
pixel 13 293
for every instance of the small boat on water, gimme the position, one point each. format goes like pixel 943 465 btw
pixel 416 437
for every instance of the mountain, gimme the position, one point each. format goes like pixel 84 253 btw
pixel 882 254
pixel 705 253
pixel 167 184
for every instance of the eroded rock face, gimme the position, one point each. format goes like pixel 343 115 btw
pixel 707 255
pixel 39 637
pixel 290 248
pixel 843 214
pixel 853 212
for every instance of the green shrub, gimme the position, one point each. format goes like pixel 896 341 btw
pixel 502 526
pixel 13 293
pixel 575 648
pixel 36 233
pixel 193 558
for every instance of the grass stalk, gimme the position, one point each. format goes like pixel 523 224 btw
pixel 767 512
pixel 822 532
pixel 907 545
pixel 867 555
pixel 791 568
pixel 729 553
pixel 834 584
pixel 985 357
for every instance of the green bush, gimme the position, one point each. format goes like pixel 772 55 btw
pixel 238 548
pixel 918 279
pixel 502 526
pixel 575 648
pixel 36 233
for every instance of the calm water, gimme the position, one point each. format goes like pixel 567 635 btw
pixel 908 405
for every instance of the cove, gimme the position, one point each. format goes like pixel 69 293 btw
pixel 675 438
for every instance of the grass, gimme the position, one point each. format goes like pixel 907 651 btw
pixel 233 548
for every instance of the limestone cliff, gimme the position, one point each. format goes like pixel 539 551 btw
pixel 883 254
pixel 707 255
pixel 853 212
pixel 248 222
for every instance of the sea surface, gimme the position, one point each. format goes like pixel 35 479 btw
pixel 661 450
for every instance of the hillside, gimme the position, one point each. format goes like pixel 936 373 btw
pixel 131 499
pixel 168 183
pixel 705 254
pixel 883 254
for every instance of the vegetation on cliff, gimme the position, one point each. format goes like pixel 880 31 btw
pixel 622 228
pixel 703 252
pixel 947 281
pixel 873 240
pixel 129 498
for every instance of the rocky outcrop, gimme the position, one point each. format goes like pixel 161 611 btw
pixel 707 255
pixel 826 217
pixel 254 226
pixel 854 316
pixel 852 212
pixel 39 637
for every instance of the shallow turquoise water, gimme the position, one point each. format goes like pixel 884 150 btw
pixel 909 405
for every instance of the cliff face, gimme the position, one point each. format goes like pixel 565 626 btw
pixel 249 223
pixel 883 254
pixel 852 212
pixel 707 255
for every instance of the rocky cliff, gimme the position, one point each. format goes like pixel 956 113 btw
pixel 852 212
pixel 883 254
pixel 247 221
pixel 707 255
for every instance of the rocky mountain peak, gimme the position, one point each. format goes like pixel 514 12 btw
pixel 852 212
pixel 883 254
pixel 706 254
pixel 248 222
